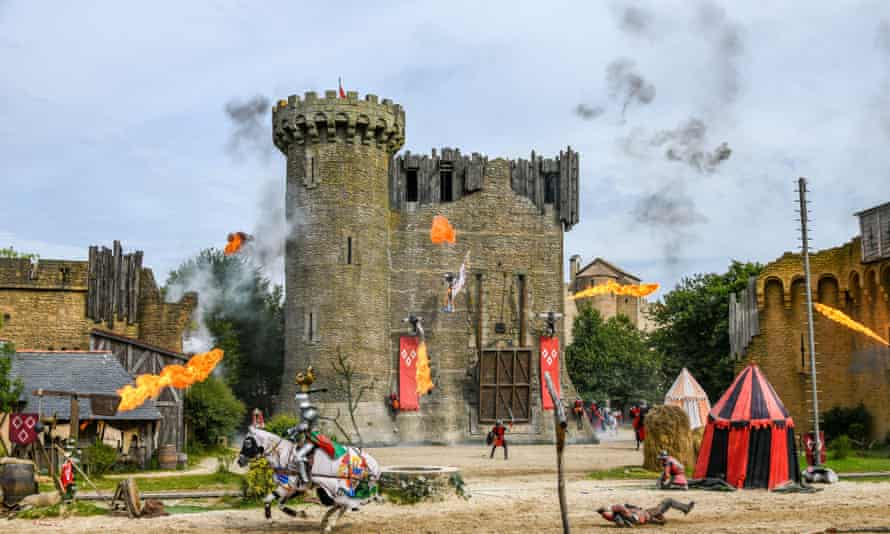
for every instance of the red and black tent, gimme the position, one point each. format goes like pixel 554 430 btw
pixel 749 438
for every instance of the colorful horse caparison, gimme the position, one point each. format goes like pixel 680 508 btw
pixel 345 478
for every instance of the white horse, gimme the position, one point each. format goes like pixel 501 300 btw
pixel 344 480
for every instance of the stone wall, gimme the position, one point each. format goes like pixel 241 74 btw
pixel 851 367
pixel 48 312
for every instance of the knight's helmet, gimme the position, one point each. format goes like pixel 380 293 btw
pixel 308 412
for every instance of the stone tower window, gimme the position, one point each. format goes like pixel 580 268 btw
pixel 411 186
pixel 310 171
pixel 349 251
pixel 310 326
pixel 446 186
pixel 550 188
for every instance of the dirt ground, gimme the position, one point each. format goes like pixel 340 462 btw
pixel 519 495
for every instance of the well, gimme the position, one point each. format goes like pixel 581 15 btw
pixel 415 483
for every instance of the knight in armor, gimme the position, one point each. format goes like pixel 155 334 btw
pixel 638 413
pixel 629 515
pixel 579 412
pixel 304 433
pixel 498 435
pixel 674 474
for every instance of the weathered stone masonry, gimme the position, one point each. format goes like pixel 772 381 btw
pixel 363 260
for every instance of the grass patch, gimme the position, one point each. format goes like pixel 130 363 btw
pixel 627 472
pixel 77 508
pixel 854 464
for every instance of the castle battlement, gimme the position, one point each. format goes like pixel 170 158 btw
pixel 313 120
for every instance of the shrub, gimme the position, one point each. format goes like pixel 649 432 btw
pixel 281 423
pixel 212 410
pixel 856 423
pixel 99 457
pixel 259 481
pixel 840 447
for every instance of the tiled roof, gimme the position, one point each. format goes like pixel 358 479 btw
pixel 80 371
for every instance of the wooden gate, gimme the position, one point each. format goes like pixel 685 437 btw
pixel 505 385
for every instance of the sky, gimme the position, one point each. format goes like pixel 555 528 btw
pixel 113 120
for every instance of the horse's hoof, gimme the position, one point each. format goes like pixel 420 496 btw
pixel 268 512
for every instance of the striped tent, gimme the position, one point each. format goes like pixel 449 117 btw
pixel 689 395
pixel 749 438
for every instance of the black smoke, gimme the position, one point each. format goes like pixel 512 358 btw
pixel 250 127
pixel 728 46
pixel 669 212
pixel 587 112
pixel 628 85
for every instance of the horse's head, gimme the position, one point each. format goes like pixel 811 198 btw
pixel 250 449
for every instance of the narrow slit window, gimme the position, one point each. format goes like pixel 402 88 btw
pixel 411 186
pixel 349 251
pixel 549 189
pixel 311 324
pixel 445 186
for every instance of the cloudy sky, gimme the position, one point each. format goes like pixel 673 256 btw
pixel 113 121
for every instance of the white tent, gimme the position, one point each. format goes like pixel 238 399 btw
pixel 689 395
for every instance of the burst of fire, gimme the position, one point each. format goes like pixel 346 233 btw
pixel 236 240
pixel 612 286
pixel 424 378
pixel 842 318
pixel 178 376
pixel 442 231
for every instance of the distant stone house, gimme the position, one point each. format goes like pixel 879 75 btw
pixel 134 433
pixel 597 272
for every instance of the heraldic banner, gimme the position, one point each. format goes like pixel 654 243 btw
pixel 408 373
pixel 22 428
pixel 549 364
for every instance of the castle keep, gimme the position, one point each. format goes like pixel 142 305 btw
pixel 362 261
pixel 768 324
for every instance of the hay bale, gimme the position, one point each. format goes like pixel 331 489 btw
pixel 697 436
pixel 667 428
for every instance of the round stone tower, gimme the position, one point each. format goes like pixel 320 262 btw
pixel 337 260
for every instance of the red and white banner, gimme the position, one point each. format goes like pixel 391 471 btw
pixel 408 373
pixel 21 428
pixel 549 364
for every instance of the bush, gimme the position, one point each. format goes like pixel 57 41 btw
pixel 855 423
pixel 840 447
pixel 98 458
pixel 259 481
pixel 281 423
pixel 212 411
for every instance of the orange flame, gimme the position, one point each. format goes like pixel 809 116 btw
pixel 612 286
pixel 424 380
pixel 236 240
pixel 178 376
pixel 442 231
pixel 842 318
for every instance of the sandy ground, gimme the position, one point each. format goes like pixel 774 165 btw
pixel 519 495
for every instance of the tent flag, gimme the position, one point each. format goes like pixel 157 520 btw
pixel 549 364
pixel 749 437
pixel 408 373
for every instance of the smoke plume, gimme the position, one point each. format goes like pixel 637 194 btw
pixel 250 131
pixel 634 20
pixel 627 85
pixel 725 37
pixel 669 212
pixel 587 112
pixel 687 143
pixel 264 254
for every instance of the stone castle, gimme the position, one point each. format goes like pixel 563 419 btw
pixel 768 325
pixel 363 261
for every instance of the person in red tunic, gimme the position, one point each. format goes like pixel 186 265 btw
pixel 638 413
pixel 674 475
pixel 579 412
pixel 498 438
pixel 629 515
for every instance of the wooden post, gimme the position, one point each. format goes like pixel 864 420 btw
pixel 74 420
pixel 560 423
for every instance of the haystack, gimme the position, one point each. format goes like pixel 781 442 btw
pixel 667 428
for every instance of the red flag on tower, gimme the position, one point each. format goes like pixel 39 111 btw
pixel 342 93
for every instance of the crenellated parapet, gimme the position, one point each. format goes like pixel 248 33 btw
pixel 450 175
pixel 313 120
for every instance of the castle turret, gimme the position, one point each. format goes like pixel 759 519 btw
pixel 337 263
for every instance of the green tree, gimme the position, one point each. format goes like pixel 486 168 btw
pixel 244 314
pixel 692 326
pixel 10 252
pixel 10 388
pixel 611 360
pixel 212 411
